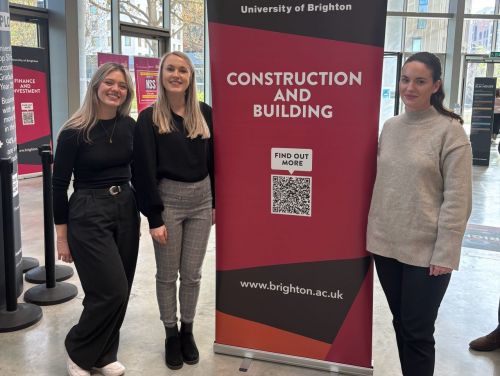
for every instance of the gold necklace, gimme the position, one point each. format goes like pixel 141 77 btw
pixel 110 137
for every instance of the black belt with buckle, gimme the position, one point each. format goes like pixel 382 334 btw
pixel 114 190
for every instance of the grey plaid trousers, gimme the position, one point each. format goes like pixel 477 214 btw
pixel 188 218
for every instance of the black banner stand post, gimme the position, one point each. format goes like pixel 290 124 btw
pixel 52 292
pixel 15 316
pixel 62 272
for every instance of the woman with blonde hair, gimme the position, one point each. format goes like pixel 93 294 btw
pixel 98 228
pixel 173 176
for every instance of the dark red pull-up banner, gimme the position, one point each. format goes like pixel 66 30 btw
pixel 296 92
pixel 32 106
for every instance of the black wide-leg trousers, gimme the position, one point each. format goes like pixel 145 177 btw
pixel 414 298
pixel 103 236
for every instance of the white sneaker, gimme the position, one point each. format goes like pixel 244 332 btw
pixel 112 369
pixel 75 370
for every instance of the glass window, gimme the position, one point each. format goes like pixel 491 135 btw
pixel 395 5
pixel 94 16
pixel 496 73
pixel 498 38
pixel 477 37
pixel 23 34
pixel 432 37
pixel 480 6
pixel 187 35
pixel 133 46
pixel 421 24
pixel 424 6
pixel 393 34
pixel 416 44
pixel 142 12
pixel 138 47
pixel 388 94
pixel 31 3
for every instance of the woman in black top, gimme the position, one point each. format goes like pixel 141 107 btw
pixel 98 228
pixel 173 176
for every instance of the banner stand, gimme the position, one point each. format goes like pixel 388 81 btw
pixel 52 292
pixel 8 145
pixel 294 282
pixel 15 316
pixel 291 360
pixel 38 275
pixel 482 118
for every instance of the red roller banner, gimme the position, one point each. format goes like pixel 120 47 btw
pixel 112 58
pixel 146 75
pixel 296 99
pixel 31 106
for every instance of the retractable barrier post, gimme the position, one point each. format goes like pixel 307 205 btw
pixel 15 316
pixel 61 272
pixel 52 292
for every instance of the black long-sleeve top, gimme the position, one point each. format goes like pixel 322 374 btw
pixel 99 164
pixel 172 156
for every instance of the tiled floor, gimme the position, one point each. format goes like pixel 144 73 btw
pixel 468 310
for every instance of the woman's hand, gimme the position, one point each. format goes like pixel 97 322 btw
pixel 438 270
pixel 159 234
pixel 63 252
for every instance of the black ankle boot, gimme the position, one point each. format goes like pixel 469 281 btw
pixel 188 345
pixel 173 352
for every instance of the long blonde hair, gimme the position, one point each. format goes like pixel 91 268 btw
pixel 194 122
pixel 85 118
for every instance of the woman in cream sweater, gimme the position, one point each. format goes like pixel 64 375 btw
pixel 420 206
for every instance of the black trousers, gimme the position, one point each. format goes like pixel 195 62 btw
pixel 414 298
pixel 103 236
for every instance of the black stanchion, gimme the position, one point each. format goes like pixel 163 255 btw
pixel 62 272
pixel 15 316
pixel 52 292
pixel 29 263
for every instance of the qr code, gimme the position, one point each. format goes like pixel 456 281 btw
pixel 28 117
pixel 291 195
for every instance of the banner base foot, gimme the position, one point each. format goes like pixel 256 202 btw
pixel 29 263
pixel 24 316
pixel 43 295
pixel 292 360
pixel 38 274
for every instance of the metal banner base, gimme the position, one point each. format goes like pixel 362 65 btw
pixel 25 315
pixel 29 263
pixel 43 295
pixel 38 275
pixel 292 360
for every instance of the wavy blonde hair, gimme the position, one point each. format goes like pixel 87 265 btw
pixel 194 122
pixel 85 118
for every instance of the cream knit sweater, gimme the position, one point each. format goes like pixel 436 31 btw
pixel 423 191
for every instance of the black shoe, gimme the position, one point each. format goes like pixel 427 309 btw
pixel 173 352
pixel 489 342
pixel 190 352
